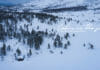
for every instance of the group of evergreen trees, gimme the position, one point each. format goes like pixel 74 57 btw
pixel 34 39
pixel 4 49
pixel 28 16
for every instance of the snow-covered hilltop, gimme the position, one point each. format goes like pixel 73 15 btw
pixel 41 5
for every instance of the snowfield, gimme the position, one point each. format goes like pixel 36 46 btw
pixel 50 40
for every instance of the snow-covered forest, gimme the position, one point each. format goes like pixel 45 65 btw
pixel 45 35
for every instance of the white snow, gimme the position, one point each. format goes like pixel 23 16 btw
pixel 76 57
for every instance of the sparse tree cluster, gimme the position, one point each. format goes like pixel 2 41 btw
pixel 58 42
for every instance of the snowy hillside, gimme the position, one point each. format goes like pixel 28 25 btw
pixel 50 35
pixel 49 5
pixel 39 4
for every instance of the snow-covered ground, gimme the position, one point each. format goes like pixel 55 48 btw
pixel 51 41
pixel 79 55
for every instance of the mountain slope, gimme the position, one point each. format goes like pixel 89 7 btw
pixel 40 5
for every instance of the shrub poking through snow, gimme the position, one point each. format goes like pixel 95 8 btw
pixel 84 44
pixel 68 43
pixel 51 51
pixel 29 53
pixel 91 46
pixel 30 42
pixel 57 42
pixel 73 35
pixel 66 36
pixel 65 46
pixel 2 33
pixel 48 46
pixel 8 48
pixel 61 52
pixel 38 41
pixel 18 52
pixel 3 51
